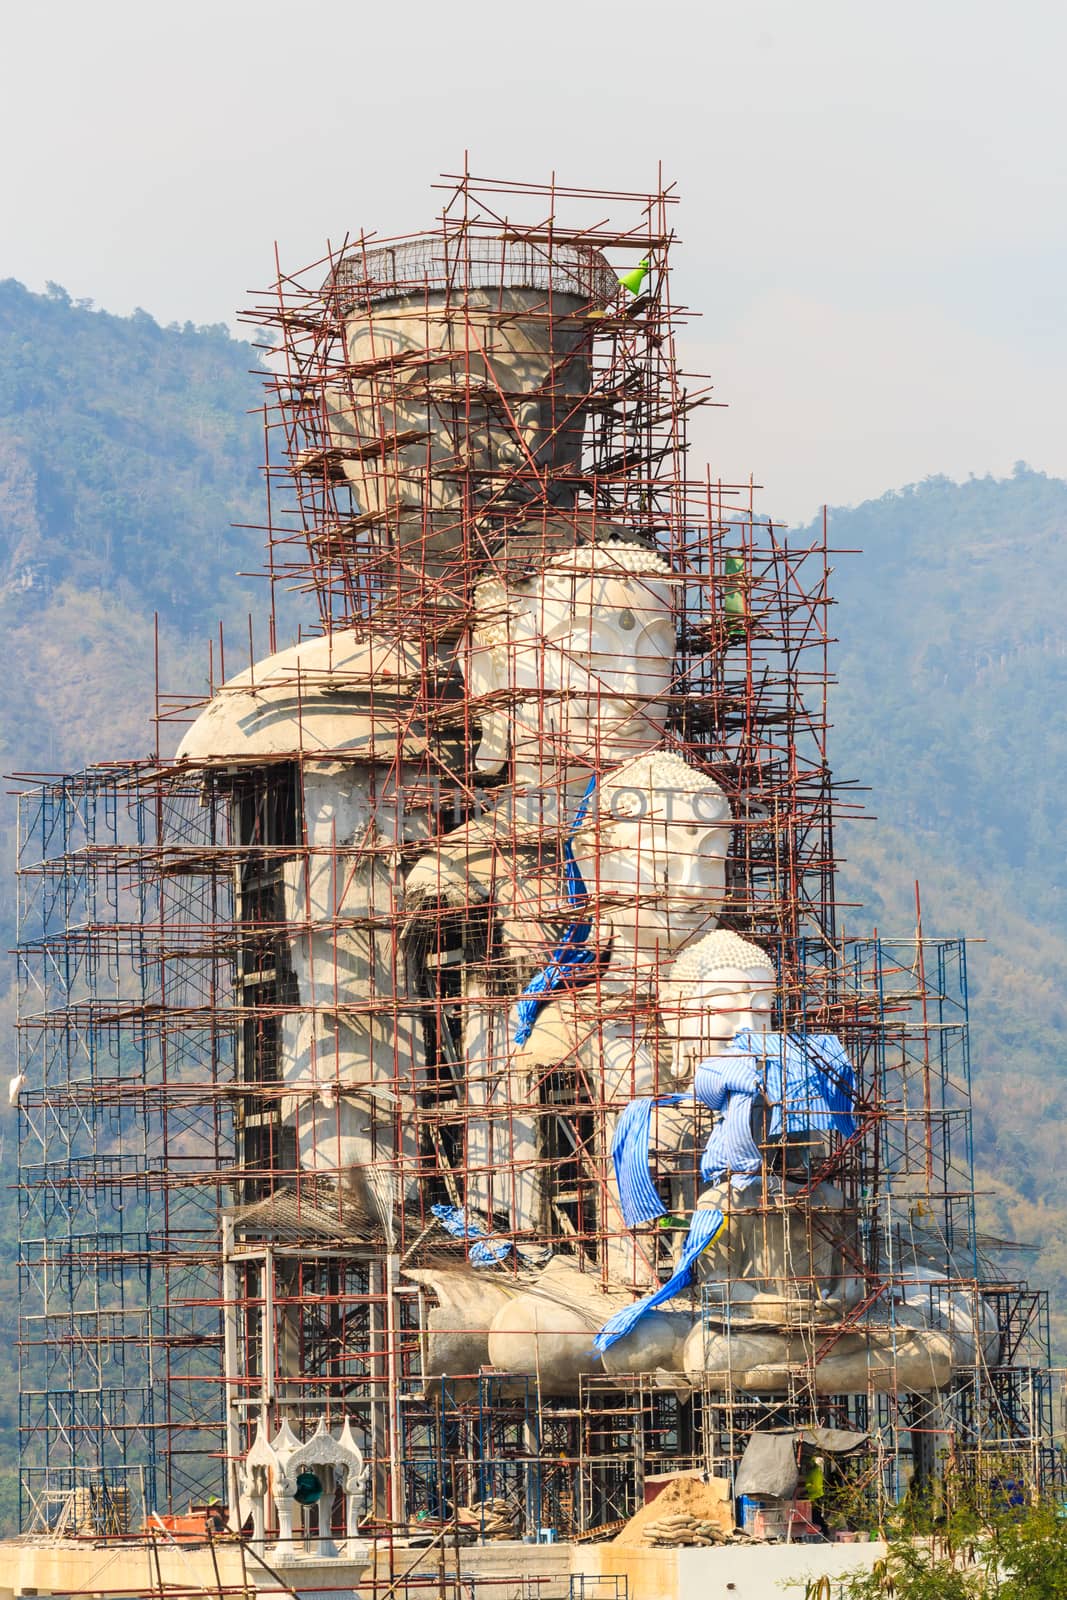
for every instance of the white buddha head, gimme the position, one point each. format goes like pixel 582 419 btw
pixel 580 656
pixel 717 986
pixel 653 853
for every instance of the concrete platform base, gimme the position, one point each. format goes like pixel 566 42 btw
pixel 507 1570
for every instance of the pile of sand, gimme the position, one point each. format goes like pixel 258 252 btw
pixel 705 1501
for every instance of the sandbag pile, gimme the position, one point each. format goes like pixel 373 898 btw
pixel 681 1527
pixel 426 1531
pixel 494 1517
pixel 686 1510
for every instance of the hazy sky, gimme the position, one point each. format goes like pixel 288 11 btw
pixel 873 211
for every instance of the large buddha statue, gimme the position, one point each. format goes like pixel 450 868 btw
pixel 651 856
pixel 717 987
pixel 774 1259
pixel 569 666
pixel 652 853
pixel 321 749
pixel 766 1240
pixel 772 1247
pixel 568 670
pixel 465 389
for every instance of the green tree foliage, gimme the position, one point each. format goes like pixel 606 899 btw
pixel 917 1572
pixel 1032 1554
pixel 126 451
pixel 1019 1557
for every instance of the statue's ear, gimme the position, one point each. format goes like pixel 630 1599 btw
pixel 485 673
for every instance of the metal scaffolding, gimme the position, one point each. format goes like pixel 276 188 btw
pixel 447 410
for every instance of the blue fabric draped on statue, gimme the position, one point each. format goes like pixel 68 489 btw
pixel 732 1082
pixel 810 1074
pixel 731 1085
pixel 573 953
pixel 487 1250
pixel 629 1152
pixel 703 1230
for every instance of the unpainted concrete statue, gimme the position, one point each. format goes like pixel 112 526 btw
pixel 781 1273
pixel 449 408
pixel 325 864
pixel 784 1269
pixel 652 856
pixel 579 658
pixel 570 667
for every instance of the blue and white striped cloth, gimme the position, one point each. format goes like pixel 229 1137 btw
pixel 704 1229
pixel 629 1153
pixel 727 1083
pixel 808 1075
pixel 730 1085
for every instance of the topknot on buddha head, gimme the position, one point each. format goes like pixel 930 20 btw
pixel 656 786
pixel 717 986
pixel 717 952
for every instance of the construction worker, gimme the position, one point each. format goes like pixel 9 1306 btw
pixel 215 1514
pixel 814 1489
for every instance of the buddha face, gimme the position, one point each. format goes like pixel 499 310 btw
pixel 703 1013
pixel 659 877
pixel 585 658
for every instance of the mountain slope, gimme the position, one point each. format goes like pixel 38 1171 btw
pixel 952 664
pixel 126 453
pixel 125 448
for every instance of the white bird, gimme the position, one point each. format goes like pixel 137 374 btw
pixel 14 1088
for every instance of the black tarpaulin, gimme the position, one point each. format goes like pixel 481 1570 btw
pixel 769 1464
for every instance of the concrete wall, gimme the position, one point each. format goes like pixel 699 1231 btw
pixel 755 1572
pixel 68 1567
pixel 729 1572
pixel 525 1564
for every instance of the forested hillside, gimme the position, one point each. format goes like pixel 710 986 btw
pixel 127 452
pixel 954 648
pixel 952 667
